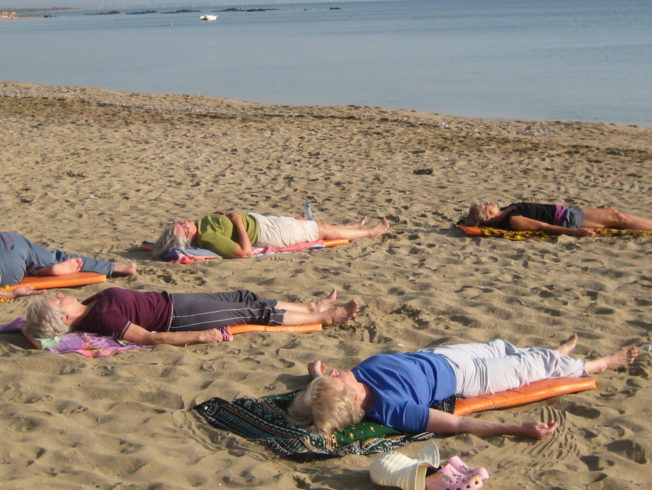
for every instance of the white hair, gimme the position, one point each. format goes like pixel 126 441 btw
pixel 44 320
pixel 325 407
pixel 169 240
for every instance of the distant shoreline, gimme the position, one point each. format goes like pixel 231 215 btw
pixel 50 9
pixel 42 10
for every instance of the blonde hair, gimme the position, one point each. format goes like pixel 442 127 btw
pixel 325 407
pixel 44 320
pixel 168 240
pixel 475 216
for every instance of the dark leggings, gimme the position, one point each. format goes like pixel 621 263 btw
pixel 202 311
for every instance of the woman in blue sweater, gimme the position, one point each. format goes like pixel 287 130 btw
pixel 398 390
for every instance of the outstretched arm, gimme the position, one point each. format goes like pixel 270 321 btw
pixel 20 291
pixel 447 423
pixel 139 335
pixel 521 223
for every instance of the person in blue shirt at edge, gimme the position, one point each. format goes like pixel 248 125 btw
pixel 398 390
pixel 20 257
pixel 553 218
pixel 233 235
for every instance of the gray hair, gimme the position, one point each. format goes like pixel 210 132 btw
pixel 168 240
pixel 44 320
pixel 325 407
pixel 475 216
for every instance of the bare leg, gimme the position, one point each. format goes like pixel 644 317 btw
pixel 612 218
pixel 330 232
pixel 66 267
pixel 125 269
pixel 334 316
pixel 621 358
pixel 568 345
pixel 358 224
pixel 318 306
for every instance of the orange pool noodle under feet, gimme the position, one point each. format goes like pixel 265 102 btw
pixel 306 328
pixel 539 390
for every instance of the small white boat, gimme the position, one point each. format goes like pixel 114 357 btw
pixel 209 17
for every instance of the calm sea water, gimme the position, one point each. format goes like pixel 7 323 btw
pixel 584 60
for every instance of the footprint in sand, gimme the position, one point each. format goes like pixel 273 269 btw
pixel 127 447
pixel 595 463
pixel 629 449
pixel 584 411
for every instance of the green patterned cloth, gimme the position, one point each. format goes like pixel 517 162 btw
pixel 487 231
pixel 263 420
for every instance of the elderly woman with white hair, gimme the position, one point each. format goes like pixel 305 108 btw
pixel 398 390
pixel 234 235
pixel 174 318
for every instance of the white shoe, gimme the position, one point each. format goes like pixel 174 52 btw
pixel 399 470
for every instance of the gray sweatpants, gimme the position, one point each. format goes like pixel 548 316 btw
pixel 203 311
pixel 489 367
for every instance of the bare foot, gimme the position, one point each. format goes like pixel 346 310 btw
pixel 323 304
pixel 568 345
pixel 621 358
pixel 69 266
pixel 124 269
pixel 380 229
pixel 340 314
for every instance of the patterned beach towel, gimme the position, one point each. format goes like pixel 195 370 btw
pixel 263 420
pixel 83 343
pixel 487 231
pixel 87 344
pixel 190 255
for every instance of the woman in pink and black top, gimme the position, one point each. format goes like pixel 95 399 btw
pixel 553 218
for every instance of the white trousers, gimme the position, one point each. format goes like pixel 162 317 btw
pixel 283 231
pixel 489 367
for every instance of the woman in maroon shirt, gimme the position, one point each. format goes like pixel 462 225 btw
pixel 177 319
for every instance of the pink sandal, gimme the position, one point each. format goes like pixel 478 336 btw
pixel 449 478
pixel 461 467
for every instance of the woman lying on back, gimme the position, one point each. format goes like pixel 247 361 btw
pixel 398 390
pixel 234 235
pixel 553 218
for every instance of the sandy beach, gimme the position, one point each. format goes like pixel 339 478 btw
pixel 97 172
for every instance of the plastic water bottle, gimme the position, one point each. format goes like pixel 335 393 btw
pixel 307 211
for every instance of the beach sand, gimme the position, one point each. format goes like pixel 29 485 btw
pixel 96 172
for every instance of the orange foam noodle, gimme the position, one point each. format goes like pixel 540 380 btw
pixel 63 281
pixel 336 241
pixel 306 328
pixel 539 390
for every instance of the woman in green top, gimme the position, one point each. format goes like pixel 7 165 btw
pixel 234 235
